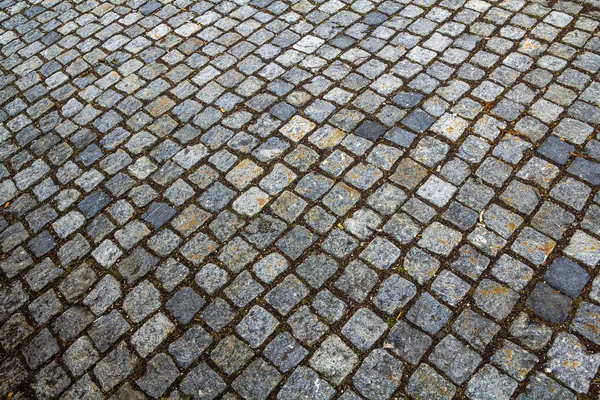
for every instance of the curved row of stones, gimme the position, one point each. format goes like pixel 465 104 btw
pixel 299 199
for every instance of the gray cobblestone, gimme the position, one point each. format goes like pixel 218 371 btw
pixel 199 197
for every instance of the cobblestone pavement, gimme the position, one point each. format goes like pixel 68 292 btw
pixel 299 199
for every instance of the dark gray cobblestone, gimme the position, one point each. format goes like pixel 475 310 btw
pixel 299 199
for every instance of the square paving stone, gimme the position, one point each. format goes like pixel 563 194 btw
pixel 287 294
pixel 502 221
pixel 257 381
pixel 190 345
pixel 80 356
pixel 313 186
pixel 571 363
pixel 436 191
pixel 231 354
pixel 489 383
pixel 158 214
pixel 236 254
pixel 408 343
pixel 419 210
pixel 420 265
pixel 426 383
pixel 40 349
pixel 203 379
pixel 586 321
pixel 409 173
pixel 532 334
pixel 306 326
pixel 571 192
pixel 336 163
pixel 533 245
pixel 495 299
pixel 475 195
pixel 198 248
pixel 115 367
pixel 296 241
pixel 256 326
pixel 381 253
pixel 379 375
pixel 566 276
pixel 402 228
pixel 339 244
pixel 514 360
pixel 288 206
pixel 520 196
pixel 243 289
pixel 363 223
pixel 14 331
pixel 305 383
pixel 136 265
pixel 428 313
pixel 160 374
pixel 386 199
pixel 251 202
pixel 394 293
pixel 364 328
pixel 552 220
pixel 184 304
pixel 334 359
pixel 440 239
pixel 585 169
pixel 512 272
pixel 341 198
pixel 544 388
pixel 51 380
pixel 218 314
pixel 584 248
pixel 455 359
pixel 150 335
pixel 170 273
pixel 449 287
pixel 141 301
pixel 329 306
pixel 556 150
pixel 363 176
pixel 486 240
pixel 357 281
pixel 83 387
pixel 285 352
pixel 477 330
pixel 269 267
pixel 549 304
pixel 45 307
pixel 316 269
pixel 319 219
pixel 72 322
pixel 108 329
pixel 370 130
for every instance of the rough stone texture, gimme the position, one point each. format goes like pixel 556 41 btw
pixel 426 383
pixel 283 199
pixel 570 362
pixel 378 376
pixel 549 304
pixel 334 359
pixel 455 359
pixel 489 384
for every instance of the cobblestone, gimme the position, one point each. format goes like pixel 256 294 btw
pixel 283 199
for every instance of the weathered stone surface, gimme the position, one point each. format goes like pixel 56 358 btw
pixel 299 199
pixel 570 362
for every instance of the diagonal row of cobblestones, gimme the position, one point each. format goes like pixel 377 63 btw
pixel 299 199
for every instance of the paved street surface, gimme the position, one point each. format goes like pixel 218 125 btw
pixel 299 199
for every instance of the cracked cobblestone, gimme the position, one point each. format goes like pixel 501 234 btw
pixel 260 199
